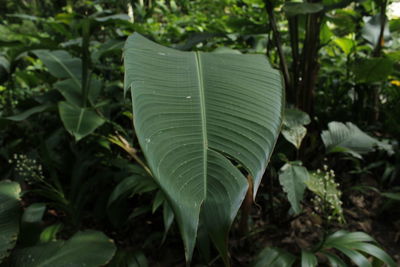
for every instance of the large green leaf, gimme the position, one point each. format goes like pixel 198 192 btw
pixel 292 178
pixel 61 64
pixel 73 93
pixel 9 216
pixel 350 139
pixel 372 69
pixel 79 121
pixel 194 113
pixel 293 126
pixel 87 248
pixel 372 30
pixel 347 45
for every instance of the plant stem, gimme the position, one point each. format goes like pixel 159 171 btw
pixel 294 42
pixel 278 43
pixel 309 63
pixel 246 208
pixel 85 61
pixel 377 53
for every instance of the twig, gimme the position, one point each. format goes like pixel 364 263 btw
pixel 121 142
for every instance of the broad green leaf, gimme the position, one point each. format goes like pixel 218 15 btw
pixel 308 259
pixel 372 69
pixel 294 135
pixel 297 8
pixel 50 233
pixel 293 178
pixel 325 34
pixel 274 257
pixel 79 121
pixel 295 117
pixel 195 111
pixel 372 29
pixel 29 112
pixel 346 44
pixel 61 64
pixel 70 91
pixel 73 93
pixel 88 248
pixel 9 216
pixel 293 126
pixel 350 139
pixel 34 213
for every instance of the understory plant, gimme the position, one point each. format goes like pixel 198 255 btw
pixel 203 126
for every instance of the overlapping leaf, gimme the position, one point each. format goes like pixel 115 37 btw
pixel 194 113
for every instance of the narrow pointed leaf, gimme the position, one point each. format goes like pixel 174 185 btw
pixel 343 238
pixel 273 257
pixel 374 251
pixel 29 112
pixel 334 260
pixel 358 258
pixel 308 259
pixel 193 112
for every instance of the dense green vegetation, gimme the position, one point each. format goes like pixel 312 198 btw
pixel 230 162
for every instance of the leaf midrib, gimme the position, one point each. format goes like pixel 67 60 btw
pixel 78 126
pixel 203 116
